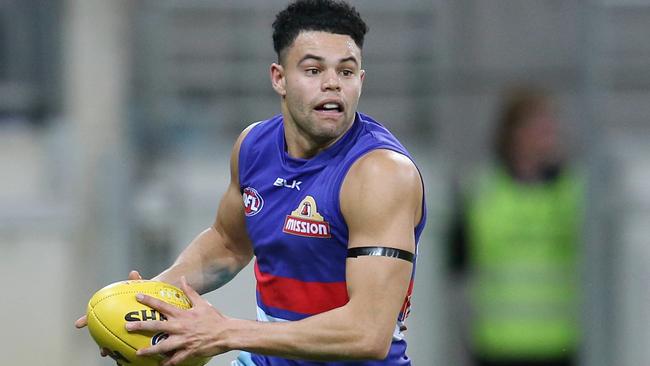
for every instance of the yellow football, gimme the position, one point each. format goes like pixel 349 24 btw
pixel 113 306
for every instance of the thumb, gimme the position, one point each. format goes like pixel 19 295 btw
pixel 134 275
pixel 81 322
pixel 189 291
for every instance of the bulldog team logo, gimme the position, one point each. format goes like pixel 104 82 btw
pixel 306 221
pixel 253 201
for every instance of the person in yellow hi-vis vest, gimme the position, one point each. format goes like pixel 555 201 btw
pixel 516 242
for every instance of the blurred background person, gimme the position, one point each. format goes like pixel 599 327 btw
pixel 516 241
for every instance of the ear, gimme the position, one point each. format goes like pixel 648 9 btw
pixel 363 77
pixel 278 79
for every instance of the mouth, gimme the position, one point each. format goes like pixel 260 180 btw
pixel 330 107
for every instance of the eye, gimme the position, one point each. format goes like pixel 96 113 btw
pixel 312 71
pixel 347 73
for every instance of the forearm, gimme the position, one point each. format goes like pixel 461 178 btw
pixel 362 329
pixel 207 263
pixel 339 334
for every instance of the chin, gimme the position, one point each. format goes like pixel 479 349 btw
pixel 327 129
pixel 326 135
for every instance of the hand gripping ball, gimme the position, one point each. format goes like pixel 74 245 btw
pixel 113 306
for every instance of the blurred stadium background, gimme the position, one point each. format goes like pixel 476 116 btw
pixel 117 118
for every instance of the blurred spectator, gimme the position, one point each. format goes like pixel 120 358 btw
pixel 515 242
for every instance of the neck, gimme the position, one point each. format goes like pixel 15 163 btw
pixel 303 145
pixel 526 171
pixel 530 169
pixel 300 146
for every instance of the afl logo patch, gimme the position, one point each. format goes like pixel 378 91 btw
pixel 253 201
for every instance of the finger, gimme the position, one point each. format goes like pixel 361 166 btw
pixel 157 304
pixel 176 359
pixel 81 322
pixel 168 345
pixel 149 325
pixel 189 291
pixel 134 275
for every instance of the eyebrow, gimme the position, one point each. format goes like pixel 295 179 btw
pixel 321 59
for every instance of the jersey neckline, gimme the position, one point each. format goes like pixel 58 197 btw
pixel 323 157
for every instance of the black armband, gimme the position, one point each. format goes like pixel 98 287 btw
pixel 381 252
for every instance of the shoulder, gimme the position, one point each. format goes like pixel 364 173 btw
pixel 256 132
pixel 261 128
pixel 246 131
pixel 237 148
pixel 382 180
pixel 389 165
pixel 378 133
pixel 242 137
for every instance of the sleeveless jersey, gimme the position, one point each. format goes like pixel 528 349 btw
pixel 298 232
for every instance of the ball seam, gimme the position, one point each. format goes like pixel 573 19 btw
pixel 133 292
pixel 111 332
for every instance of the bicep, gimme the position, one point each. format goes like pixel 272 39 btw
pixel 381 201
pixel 230 222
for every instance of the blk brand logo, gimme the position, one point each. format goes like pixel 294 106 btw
pixel 281 182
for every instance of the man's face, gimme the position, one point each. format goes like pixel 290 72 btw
pixel 320 80
pixel 538 135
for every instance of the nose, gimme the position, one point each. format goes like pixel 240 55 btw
pixel 331 81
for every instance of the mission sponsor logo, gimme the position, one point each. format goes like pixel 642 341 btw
pixel 306 221
pixel 253 201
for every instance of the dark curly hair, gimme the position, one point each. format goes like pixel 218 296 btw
pixel 316 15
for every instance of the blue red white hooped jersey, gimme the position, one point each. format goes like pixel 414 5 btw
pixel 299 235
